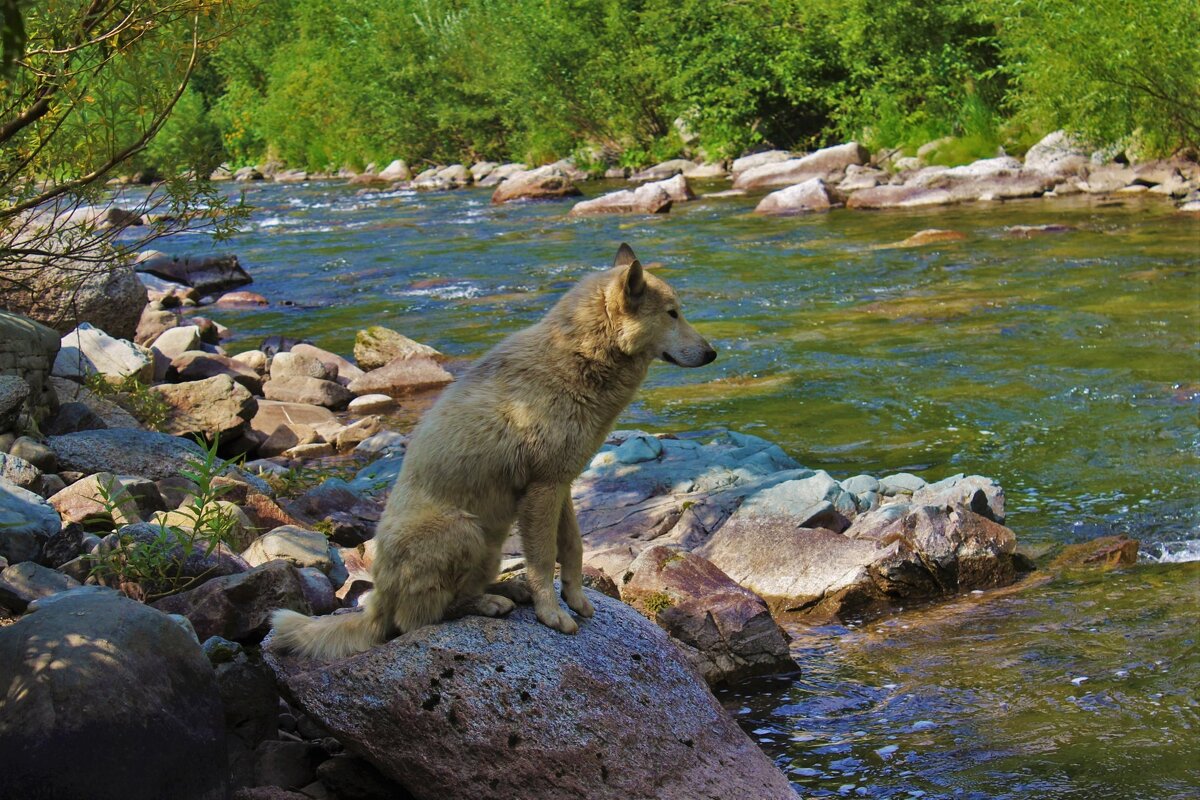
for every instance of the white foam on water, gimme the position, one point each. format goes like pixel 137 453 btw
pixel 1171 552
pixel 450 292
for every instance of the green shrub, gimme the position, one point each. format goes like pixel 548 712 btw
pixel 1106 71
pixel 153 569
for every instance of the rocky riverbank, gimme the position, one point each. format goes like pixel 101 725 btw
pixel 844 175
pixel 710 539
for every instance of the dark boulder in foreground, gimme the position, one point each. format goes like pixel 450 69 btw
pixel 519 710
pixel 108 698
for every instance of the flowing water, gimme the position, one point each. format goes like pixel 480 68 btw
pixel 1065 364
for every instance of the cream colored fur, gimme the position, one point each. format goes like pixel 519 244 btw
pixel 502 445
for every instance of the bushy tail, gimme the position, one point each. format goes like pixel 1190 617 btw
pixel 324 638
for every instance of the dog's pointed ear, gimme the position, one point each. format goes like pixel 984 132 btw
pixel 635 282
pixel 633 279
pixel 625 256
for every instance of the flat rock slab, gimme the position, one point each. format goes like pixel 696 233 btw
pixel 503 708
pixel 146 454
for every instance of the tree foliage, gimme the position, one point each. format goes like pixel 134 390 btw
pixel 90 85
pixel 1106 71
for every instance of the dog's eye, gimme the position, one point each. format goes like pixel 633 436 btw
pixel 674 314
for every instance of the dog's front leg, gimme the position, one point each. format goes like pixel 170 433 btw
pixel 570 556
pixel 538 515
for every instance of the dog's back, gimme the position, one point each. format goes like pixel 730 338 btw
pixel 502 445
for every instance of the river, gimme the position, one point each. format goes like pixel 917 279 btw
pixel 1065 364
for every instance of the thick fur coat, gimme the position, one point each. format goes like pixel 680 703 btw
pixel 502 445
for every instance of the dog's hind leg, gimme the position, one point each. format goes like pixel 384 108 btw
pixel 425 582
pixel 570 556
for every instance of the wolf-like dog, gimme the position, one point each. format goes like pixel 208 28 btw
pixel 502 445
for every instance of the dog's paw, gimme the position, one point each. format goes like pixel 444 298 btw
pixel 494 605
pixel 556 617
pixel 578 602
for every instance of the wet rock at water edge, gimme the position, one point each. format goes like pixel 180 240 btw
pixel 647 199
pixel 401 377
pixel 544 183
pixel 725 630
pixel 209 275
pixel 376 346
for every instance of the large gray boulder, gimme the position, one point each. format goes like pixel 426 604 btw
pixel 502 708
pixel 108 699
pixel 26 522
pixel 61 291
pixel 1059 155
pixel 147 454
pixel 14 391
pixel 801 198
pixel 88 351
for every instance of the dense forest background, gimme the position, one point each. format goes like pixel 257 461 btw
pixel 323 84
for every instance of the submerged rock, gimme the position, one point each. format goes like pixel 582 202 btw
pixel 799 539
pixel 516 709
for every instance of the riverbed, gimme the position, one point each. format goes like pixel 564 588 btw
pixel 1062 361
